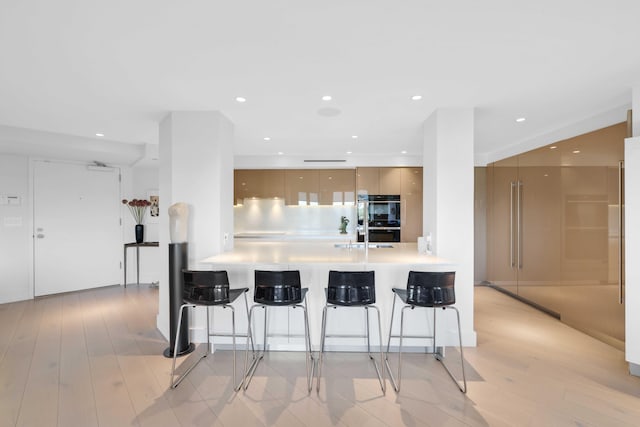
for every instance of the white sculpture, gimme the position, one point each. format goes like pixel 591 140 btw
pixel 178 222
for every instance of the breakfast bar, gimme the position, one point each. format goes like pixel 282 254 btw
pixel 314 259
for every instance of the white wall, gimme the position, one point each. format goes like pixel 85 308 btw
pixel 15 230
pixel 632 253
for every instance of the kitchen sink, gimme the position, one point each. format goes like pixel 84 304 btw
pixel 361 245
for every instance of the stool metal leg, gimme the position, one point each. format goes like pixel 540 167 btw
pixel 174 384
pixel 309 361
pixel 322 337
pixel 440 356
pixel 249 370
pixel 380 373
pixel 396 384
pixel 379 369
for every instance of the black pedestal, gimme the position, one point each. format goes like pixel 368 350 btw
pixel 178 260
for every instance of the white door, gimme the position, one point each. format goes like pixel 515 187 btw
pixel 77 232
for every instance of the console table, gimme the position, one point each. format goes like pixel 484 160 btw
pixel 137 246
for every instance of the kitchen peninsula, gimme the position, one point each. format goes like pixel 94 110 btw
pixel 314 259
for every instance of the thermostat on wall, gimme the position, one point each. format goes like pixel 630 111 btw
pixel 6 199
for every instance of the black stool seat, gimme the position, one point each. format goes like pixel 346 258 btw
pixel 213 295
pixel 351 288
pixel 278 288
pixel 208 289
pixel 428 289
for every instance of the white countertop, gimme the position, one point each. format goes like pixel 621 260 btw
pixel 321 252
pixel 298 235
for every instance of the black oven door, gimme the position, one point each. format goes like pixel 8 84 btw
pixel 384 235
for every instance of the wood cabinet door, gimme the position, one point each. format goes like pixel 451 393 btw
pixel 367 181
pixel 389 180
pixel 410 204
pixel 301 187
pixel 337 186
pixel 258 183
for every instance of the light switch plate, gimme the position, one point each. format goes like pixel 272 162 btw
pixel 10 199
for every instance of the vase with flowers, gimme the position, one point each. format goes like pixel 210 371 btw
pixel 138 209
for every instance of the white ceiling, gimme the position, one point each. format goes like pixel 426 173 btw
pixel 116 67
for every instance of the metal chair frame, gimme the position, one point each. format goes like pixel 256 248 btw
pixel 346 282
pixel 175 382
pixel 250 368
pixel 438 352
pixel 324 335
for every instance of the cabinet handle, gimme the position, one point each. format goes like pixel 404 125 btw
pixel 511 236
pixel 519 213
pixel 620 232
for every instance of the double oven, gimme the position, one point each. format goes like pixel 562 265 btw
pixel 379 217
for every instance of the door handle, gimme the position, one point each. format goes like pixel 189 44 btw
pixel 511 235
pixel 620 232
pixel 519 226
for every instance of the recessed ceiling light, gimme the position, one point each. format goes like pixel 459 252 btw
pixel 354 136
pixel 349 152
pixel 99 134
pixel 404 152
pixel 280 153
pixel 553 147
pixel 520 119
pixel 576 151
pixel 326 98
pixel 267 138
pixel 416 97
pixel 241 99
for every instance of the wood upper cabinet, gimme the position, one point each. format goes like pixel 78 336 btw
pixel 337 186
pixel 390 180
pixel 301 187
pixel 258 183
pixel 367 181
pixel 411 204
pixel 379 180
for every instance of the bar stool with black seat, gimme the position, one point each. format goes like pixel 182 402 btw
pixel 427 290
pixel 209 289
pixel 352 289
pixel 278 289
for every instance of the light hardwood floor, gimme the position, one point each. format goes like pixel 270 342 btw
pixel 93 358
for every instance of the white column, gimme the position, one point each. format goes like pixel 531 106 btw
pixel 448 170
pixel 632 239
pixel 196 168
pixel 635 108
